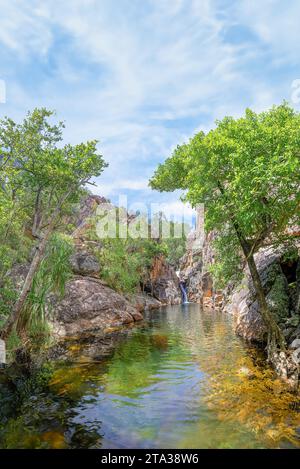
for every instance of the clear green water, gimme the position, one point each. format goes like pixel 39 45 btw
pixel 182 379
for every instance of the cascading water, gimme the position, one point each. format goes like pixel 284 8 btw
pixel 183 292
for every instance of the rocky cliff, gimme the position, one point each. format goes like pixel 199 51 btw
pixel 280 275
pixel 89 305
pixel 194 271
pixel 162 282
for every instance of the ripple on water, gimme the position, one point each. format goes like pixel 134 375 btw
pixel 177 383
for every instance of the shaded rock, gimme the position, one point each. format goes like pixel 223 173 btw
pixel 295 343
pixel 84 263
pixel 288 332
pixel 166 291
pixel 296 356
pixel 18 274
pixel 293 321
pixel 248 322
pixel 90 305
pixel 91 345
pixel 278 297
pixel 194 271
pixel 295 334
pixel 243 303
pixel 163 283
pixel 142 302
pixel 207 288
pixel 191 272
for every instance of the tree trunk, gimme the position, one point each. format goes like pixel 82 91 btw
pixel 275 336
pixel 15 314
pixel 17 309
pixel 298 288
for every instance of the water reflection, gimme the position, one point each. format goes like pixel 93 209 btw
pixel 182 379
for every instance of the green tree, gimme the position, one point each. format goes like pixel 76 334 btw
pixel 247 173
pixel 125 263
pixel 39 180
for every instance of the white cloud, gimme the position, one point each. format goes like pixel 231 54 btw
pixel 22 29
pixel 123 184
pixel 141 76
pixel 277 25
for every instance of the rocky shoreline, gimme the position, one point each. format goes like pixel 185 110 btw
pixel 280 276
pixel 91 308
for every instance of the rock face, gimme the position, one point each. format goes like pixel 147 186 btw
pixel 191 266
pixel 87 208
pixel 194 270
pixel 244 308
pixel 143 301
pixel 90 305
pixel 18 275
pixel 84 263
pixel 280 278
pixel 163 283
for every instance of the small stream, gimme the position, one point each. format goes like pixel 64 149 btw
pixel 181 379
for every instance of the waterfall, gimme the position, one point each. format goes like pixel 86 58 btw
pixel 183 291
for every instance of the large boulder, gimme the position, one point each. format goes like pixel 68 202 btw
pixel 90 305
pixel 248 321
pixel 280 279
pixel 163 283
pixel 166 291
pixel 277 277
pixel 143 301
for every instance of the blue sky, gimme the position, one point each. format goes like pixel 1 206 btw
pixel 142 76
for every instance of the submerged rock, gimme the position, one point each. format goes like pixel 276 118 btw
pixel 287 367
